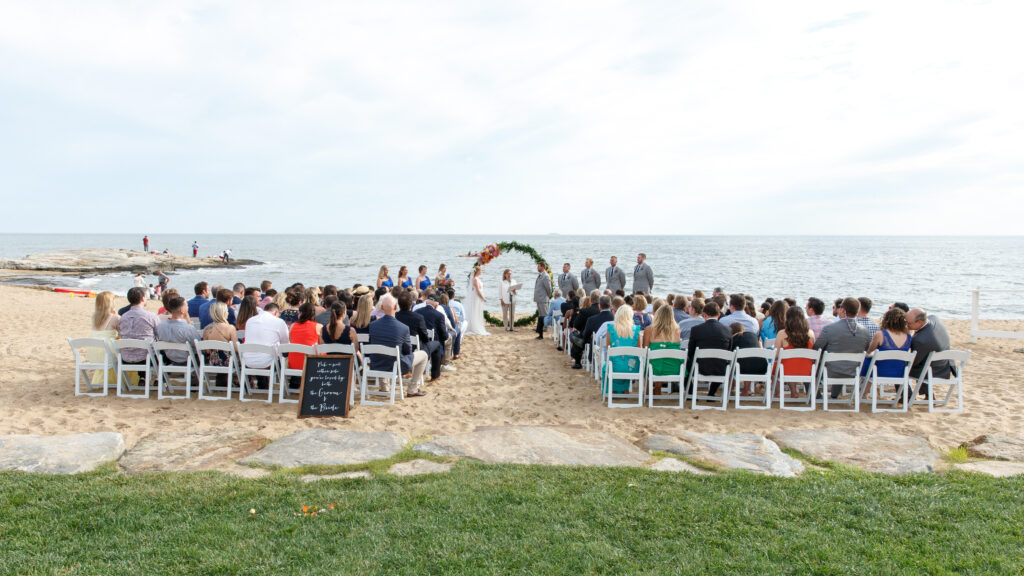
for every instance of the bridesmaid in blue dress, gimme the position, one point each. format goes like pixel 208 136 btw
pixel 383 280
pixel 403 277
pixel 423 281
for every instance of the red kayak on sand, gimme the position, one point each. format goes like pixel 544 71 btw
pixel 73 291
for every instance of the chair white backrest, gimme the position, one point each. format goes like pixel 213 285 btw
pixel 394 375
pixel 100 347
pixel 635 379
pixel 826 380
pixel 679 380
pixel 245 384
pixel 363 338
pixel 241 335
pixel 556 326
pixel 697 380
pixel 144 370
pixel 763 401
pixel 207 386
pixel 809 382
pixel 901 384
pixel 955 382
pixel 769 342
pixel 167 373
pixel 284 372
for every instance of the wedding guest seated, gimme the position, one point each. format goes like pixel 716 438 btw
pixel 202 290
pixel 624 332
pixel 323 317
pixel 795 334
pixel 743 339
pixel 893 335
pixel 435 320
pixel 844 336
pixel 663 334
pixel 774 320
pixel 313 295
pixel 696 311
pixel 815 309
pixel 602 331
pixel 679 304
pixel 418 329
pixel 930 335
pixel 266 329
pixel 698 294
pixel 640 317
pixel 363 316
pixel 177 329
pixel 293 298
pixel 591 307
pixel 901 305
pixel 391 333
pixel 336 331
pixel 246 310
pixel 237 293
pixel 738 313
pixel 222 295
pixel 711 334
pixel 165 297
pixel 460 317
pixel 305 331
pixel 862 316
pixel 268 297
pixel 452 326
pixel 219 330
pixel 555 304
pixel 136 323
pixel 790 301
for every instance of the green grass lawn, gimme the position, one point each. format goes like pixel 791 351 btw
pixel 512 519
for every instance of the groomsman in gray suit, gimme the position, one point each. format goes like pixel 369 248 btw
pixel 541 296
pixel 591 278
pixel 567 282
pixel 615 277
pixel 643 276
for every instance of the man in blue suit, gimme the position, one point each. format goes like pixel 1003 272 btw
pixel 418 329
pixel 387 331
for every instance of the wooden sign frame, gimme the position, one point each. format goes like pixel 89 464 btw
pixel 302 387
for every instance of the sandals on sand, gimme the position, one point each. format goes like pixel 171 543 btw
pixel 416 394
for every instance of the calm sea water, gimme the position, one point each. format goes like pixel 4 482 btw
pixel 935 273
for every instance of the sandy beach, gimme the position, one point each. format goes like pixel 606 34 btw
pixel 501 379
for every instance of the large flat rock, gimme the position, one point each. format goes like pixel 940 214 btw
pixel 567 446
pixel 997 447
pixel 881 451
pixel 735 451
pixel 419 467
pixel 327 447
pixel 68 454
pixel 175 451
pixel 997 468
pixel 113 260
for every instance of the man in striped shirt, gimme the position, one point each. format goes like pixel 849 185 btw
pixel 815 319
pixel 862 316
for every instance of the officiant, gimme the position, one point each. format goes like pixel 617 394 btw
pixel 507 292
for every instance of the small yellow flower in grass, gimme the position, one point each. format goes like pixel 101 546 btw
pixel 252 510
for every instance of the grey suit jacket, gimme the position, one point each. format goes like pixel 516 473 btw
pixel 568 283
pixel 591 279
pixel 932 338
pixel 616 278
pixel 542 290
pixel 844 335
pixel 643 278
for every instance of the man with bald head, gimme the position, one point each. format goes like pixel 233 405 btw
pixel 930 335
pixel 387 331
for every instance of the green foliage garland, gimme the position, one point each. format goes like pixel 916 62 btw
pixel 493 251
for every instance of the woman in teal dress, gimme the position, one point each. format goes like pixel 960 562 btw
pixel 623 333
pixel 663 334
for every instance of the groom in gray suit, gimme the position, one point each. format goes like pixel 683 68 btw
pixel 643 276
pixel 541 295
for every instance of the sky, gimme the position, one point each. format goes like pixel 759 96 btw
pixel 595 117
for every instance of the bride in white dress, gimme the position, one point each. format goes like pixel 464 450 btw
pixel 475 305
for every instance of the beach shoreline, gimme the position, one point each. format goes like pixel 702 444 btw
pixel 502 379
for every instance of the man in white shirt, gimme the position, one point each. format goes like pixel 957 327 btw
pixel 266 329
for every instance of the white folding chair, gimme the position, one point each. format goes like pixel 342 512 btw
pixel 196 324
pixel 363 338
pixel 167 373
pixel 678 380
pixel 826 381
pixel 245 387
pixel 698 380
pixel 382 377
pixel 769 342
pixel 208 386
pixel 640 354
pixel 556 327
pixel 782 380
pixel 284 372
pixel 241 335
pixel 82 364
pixel 958 360
pixel 597 354
pixel 143 370
pixel 900 384
pixel 357 369
pixel 764 401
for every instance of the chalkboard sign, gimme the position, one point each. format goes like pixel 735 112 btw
pixel 326 380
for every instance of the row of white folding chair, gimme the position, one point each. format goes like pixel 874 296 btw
pixel 166 373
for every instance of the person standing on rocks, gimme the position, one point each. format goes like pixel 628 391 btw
pixel 195 248
pixel 145 243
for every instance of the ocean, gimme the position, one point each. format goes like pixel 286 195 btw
pixel 935 273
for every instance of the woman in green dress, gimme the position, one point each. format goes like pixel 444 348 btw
pixel 623 333
pixel 663 334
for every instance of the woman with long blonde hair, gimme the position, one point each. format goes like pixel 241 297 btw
pixel 383 280
pixel 623 333
pixel 104 325
pixel 663 334
pixel 364 311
